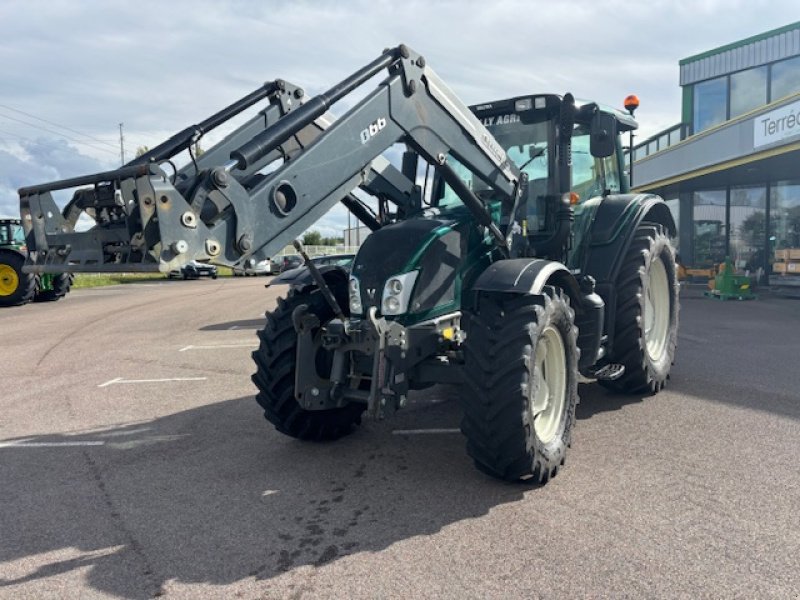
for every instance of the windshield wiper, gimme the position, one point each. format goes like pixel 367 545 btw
pixel 538 153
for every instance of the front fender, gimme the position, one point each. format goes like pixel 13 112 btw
pixel 301 276
pixel 528 276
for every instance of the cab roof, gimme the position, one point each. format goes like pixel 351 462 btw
pixel 551 103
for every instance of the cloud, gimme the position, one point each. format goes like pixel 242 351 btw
pixel 158 67
pixel 94 64
pixel 39 161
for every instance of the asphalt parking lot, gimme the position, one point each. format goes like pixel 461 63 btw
pixel 135 463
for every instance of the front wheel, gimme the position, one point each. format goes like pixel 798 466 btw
pixel 646 321
pixel 59 287
pixel 521 372
pixel 16 287
pixel 275 360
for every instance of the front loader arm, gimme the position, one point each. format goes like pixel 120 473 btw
pixel 228 210
pixel 411 106
pixel 150 216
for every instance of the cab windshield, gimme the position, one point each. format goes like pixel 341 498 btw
pixel 526 145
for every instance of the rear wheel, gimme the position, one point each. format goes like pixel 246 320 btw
pixel 275 374
pixel 521 372
pixel 646 322
pixel 61 285
pixel 16 287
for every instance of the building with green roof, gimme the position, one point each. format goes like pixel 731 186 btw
pixel 730 170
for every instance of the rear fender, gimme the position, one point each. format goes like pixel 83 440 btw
pixel 608 238
pixel 612 230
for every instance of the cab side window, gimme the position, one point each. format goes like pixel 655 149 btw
pixel 611 169
pixel 18 234
pixel 587 170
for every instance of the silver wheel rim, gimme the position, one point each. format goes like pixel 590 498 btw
pixel 550 382
pixel 656 310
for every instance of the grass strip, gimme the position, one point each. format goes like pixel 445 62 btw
pixel 90 280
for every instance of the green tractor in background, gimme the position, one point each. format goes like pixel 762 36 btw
pixel 17 287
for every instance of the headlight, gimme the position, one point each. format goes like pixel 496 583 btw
pixel 397 293
pixel 354 292
pixel 395 286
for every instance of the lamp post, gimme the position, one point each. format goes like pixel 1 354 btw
pixel 631 104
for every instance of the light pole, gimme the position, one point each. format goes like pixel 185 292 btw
pixel 121 146
pixel 631 104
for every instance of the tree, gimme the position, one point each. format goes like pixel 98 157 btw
pixel 753 228
pixel 312 238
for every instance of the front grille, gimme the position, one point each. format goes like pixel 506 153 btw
pixel 385 252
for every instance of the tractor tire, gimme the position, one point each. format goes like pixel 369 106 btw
pixel 16 287
pixel 646 321
pixel 521 384
pixel 275 374
pixel 61 286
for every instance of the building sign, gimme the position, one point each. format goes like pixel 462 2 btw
pixel 777 125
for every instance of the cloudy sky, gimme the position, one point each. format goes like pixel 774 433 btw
pixel 73 70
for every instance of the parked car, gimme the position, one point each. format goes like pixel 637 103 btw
pixel 194 270
pixel 337 260
pixel 253 267
pixel 288 277
pixel 289 261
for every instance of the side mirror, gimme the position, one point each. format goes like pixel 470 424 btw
pixel 603 135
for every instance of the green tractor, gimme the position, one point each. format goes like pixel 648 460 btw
pixel 16 286
pixel 507 254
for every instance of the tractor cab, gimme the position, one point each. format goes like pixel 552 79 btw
pixel 11 233
pixel 531 128
pixel 570 151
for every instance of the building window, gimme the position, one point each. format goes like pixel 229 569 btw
pixel 748 90
pixel 785 78
pixel 710 103
pixel 708 239
pixel 785 216
pixel 674 206
pixel 748 227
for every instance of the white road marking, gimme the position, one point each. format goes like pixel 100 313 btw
pixel 692 338
pixel 269 492
pixel 232 327
pixel 47 444
pixel 163 380
pixel 214 347
pixel 423 431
